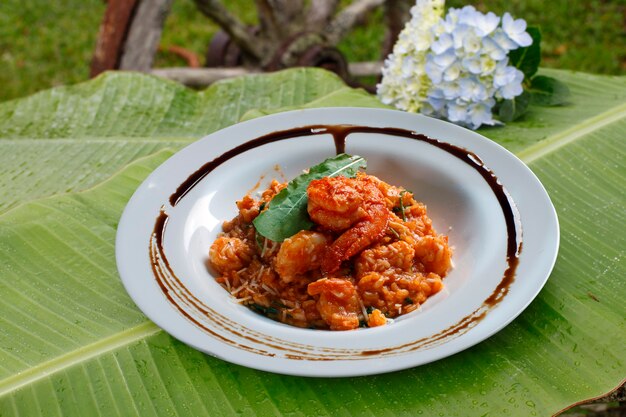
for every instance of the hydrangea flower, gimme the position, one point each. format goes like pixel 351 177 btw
pixel 456 66
pixel 405 83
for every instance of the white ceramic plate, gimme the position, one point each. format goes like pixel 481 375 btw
pixel 185 300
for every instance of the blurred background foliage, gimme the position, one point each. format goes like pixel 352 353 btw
pixel 48 43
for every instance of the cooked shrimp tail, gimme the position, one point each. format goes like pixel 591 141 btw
pixel 338 302
pixel 354 240
pixel 354 206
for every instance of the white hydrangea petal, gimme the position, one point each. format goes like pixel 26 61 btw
pixel 435 92
pixel 472 90
pixel 466 86
pixel 468 16
pixel 439 29
pixel 436 103
pixel 501 39
pixel 452 72
pixel 458 35
pixel 503 74
pixel 443 60
pixel 428 110
pixel 486 23
pixel 523 39
pixel 423 41
pixel 514 87
pixel 472 42
pixel 493 49
pixel 442 44
pixel 487 65
pixel 450 90
pixel 480 114
pixel 433 71
pixel 471 64
pixel 451 20
pixel 457 112
pixel 516 30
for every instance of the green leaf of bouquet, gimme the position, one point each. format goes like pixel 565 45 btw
pixel 527 59
pixel 548 91
pixel 515 108
pixel 72 343
pixel 287 212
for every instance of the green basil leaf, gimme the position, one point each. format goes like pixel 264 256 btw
pixel 527 59
pixel 287 212
pixel 548 91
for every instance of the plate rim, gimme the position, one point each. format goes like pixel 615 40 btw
pixel 359 369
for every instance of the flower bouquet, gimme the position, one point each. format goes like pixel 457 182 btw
pixel 468 67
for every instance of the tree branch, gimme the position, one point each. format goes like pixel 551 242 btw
pixel 288 13
pixel 237 31
pixel 320 12
pixel 365 69
pixel 348 17
pixel 267 20
pixel 397 13
pixel 201 77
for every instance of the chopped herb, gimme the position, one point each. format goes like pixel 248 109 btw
pixel 402 193
pixel 262 206
pixel 266 311
pixel 369 309
pixel 363 323
pixel 408 300
pixel 258 308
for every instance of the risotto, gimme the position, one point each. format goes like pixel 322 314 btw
pixel 371 255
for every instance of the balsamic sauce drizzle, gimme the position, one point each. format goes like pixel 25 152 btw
pixel 175 291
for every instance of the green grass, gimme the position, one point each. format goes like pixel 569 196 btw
pixel 49 43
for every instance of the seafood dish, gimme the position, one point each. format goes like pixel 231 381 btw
pixel 360 252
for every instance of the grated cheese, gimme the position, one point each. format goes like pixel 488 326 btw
pixel 363 309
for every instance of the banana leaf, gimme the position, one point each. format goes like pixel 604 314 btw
pixel 73 343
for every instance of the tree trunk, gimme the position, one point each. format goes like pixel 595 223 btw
pixel 144 35
pixel 111 36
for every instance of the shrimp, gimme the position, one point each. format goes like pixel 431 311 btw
pixel 354 206
pixel 335 202
pixel 338 302
pixel 392 193
pixel 230 254
pixel 300 253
